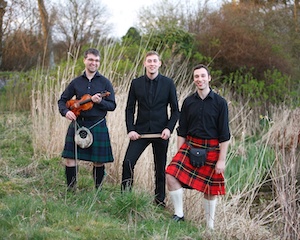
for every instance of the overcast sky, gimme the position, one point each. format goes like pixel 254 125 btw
pixel 124 13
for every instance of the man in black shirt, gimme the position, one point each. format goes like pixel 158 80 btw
pixel 152 93
pixel 203 123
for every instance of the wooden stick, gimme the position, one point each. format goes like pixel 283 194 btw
pixel 150 135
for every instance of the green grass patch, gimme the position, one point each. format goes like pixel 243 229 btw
pixel 247 165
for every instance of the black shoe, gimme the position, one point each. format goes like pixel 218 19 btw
pixel 159 203
pixel 177 219
pixel 72 189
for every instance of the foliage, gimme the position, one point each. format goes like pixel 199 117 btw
pixel 274 88
pixel 249 157
pixel 15 94
pixel 176 40
pixel 258 41
pixel 255 40
pixel 278 86
pixel 19 57
pixel 237 37
pixel 131 37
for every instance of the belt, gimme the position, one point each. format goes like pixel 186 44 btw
pixel 202 146
pixel 89 118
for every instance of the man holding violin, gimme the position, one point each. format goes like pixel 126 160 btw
pixel 94 97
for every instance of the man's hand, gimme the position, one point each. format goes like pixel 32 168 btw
pixel 133 135
pixel 166 134
pixel 96 98
pixel 220 166
pixel 70 116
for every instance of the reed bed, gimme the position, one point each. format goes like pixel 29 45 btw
pixel 245 212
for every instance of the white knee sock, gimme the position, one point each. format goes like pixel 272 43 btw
pixel 210 209
pixel 177 199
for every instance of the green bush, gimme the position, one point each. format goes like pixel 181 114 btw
pixel 275 88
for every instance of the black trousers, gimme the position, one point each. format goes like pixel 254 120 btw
pixel 134 151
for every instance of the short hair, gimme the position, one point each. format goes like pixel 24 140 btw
pixel 92 51
pixel 202 66
pixel 150 53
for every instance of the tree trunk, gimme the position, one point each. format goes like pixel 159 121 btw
pixel 296 4
pixel 3 5
pixel 47 34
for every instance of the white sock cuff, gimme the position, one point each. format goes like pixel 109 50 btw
pixel 175 192
pixel 210 202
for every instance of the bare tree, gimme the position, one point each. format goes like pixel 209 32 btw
pixel 81 22
pixel 47 34
pixel 296 8
pixel 29 38
pixel 3 5
pixel 22 36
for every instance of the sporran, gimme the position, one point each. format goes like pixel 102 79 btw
pixel 197 156
pixel 83 137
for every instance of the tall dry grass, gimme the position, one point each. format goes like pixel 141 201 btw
pixel 284 137
pixel 242 215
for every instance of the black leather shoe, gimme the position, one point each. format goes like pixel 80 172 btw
pixel 177 219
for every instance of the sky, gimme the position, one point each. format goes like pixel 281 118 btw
pixel 124 13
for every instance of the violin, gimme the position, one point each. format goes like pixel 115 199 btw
pixel 83 104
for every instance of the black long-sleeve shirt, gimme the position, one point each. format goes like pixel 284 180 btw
pixel 205 119
pixel 151 117
pixel 81 86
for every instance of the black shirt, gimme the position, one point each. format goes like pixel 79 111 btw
pixel 205 119
pixel 81 86
pixel 151 86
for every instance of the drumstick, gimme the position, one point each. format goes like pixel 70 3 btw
pixel 150 135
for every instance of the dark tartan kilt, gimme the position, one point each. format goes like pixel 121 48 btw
pixel 100 150
pixel 203 179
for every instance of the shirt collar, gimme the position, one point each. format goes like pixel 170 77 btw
pixel 155 79
pixel 97 74
pixel 211 94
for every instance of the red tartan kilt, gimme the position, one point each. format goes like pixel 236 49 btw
pixel 203 179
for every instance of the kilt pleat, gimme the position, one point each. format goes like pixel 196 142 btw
pixel 203 179
pixel 100 150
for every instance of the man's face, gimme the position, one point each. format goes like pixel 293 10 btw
pixel 201 79
pixel 152 64
pixel 91 63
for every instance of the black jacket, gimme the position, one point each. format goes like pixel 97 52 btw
pixel 152 118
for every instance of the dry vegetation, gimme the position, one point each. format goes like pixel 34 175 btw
pixel 247 214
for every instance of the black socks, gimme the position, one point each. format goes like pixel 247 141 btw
pixel 98 174
pixel 71 177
